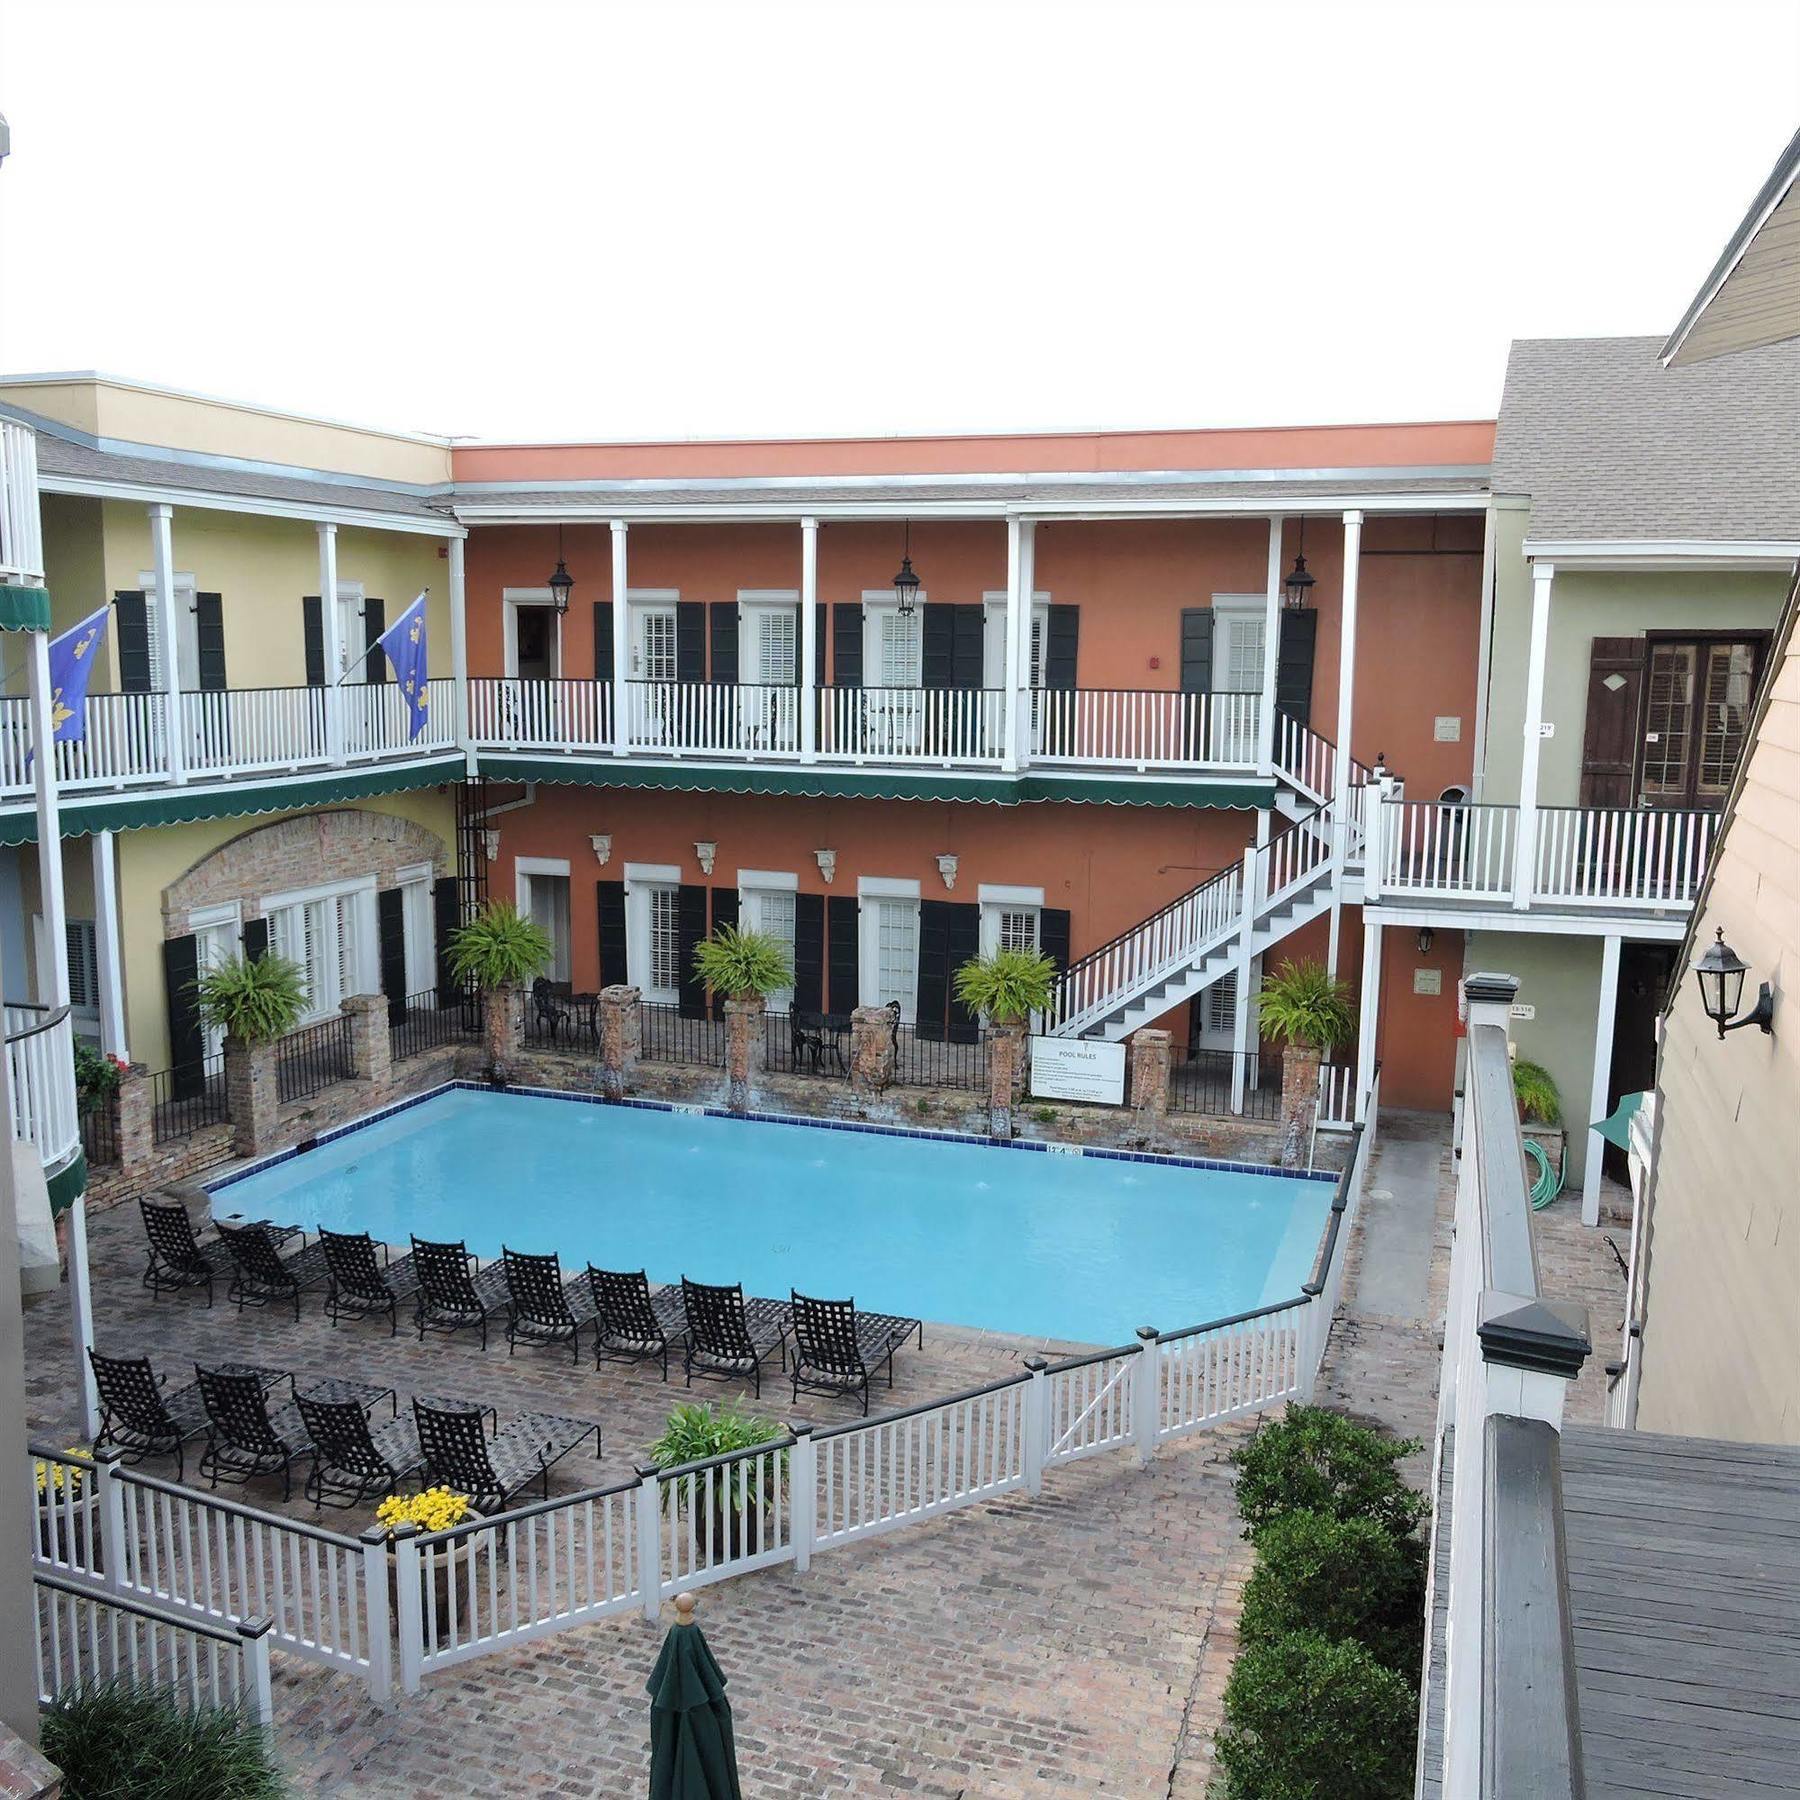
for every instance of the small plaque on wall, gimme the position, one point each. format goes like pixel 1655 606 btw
pixel 1447 730
pixel 1428 981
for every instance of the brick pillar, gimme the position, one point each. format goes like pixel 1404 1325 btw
pixel 621 1039
pixel 134 1116
pixel 1150 1077
pixel 500 1020
pixel 743 1049
pixel 871 1050
pixel 371 1048
pixel 1006 1056
pixel 1299 1100
pixel 251 1095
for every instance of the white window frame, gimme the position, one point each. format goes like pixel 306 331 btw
pixel 993 636
pixel 511 599
pixel 524 868
pixel 752 601
pixel 997 898
pixel 364 978
pixel 638 601
pixel 875 602
pixel 230 914
pixel 418 922
pixel 1225 609
pixel 641 881
pixel 883 887
pixel 754 888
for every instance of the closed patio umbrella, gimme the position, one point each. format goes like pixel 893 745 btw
pixel 692 1756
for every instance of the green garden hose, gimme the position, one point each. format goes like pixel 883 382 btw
pixel 1549 1181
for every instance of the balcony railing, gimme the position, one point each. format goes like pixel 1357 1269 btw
pixel 1144 728
pixel 912 725
pixel 40 1067
pixel 21 535
pixel 541 715
pixel 683 718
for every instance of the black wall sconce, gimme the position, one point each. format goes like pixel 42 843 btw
pixel 1721 973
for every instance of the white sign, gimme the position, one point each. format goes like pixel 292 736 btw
pixel 1078 1069
pixel 1428 981
pixel 1521 1010
pixel 1447 729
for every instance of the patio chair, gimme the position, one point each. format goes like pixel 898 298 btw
pixel 729 1336
pixel 351 1459
pixel 541 1308
pixel 455 1292
pixel 360 1285
pixel 550 1006
pixel 459 1453
pixel 244 1439
pixel 814 1036
pixel 262 1275
pixel 632 1324
pixel 140 1416
pixel 177 1258
pixel 835 1346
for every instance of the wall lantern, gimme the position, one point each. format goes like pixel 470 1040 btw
pixel 561 583
pixel 1721 973
pixel 906 583
pixel 1299 584
pixel 1427 937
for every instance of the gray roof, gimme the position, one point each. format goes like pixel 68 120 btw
pixel 1613 447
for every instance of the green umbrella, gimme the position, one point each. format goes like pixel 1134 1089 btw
pixel 1616 1126
pixel 692 1756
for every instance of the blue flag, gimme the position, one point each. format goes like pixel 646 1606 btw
pixel 72 659
pixel 404 643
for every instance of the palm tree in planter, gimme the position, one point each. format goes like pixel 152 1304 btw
pixel 746 967
pixel 499 951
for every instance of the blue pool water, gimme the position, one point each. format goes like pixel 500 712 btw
pixel 1079 1248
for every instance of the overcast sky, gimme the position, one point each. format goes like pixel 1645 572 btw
pixel 519 219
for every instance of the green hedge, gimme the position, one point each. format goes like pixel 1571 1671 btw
pixel 1318 1461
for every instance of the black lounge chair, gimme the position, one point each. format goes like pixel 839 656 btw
pixel 245 1439
pixel 352 1460
pixel 540 1307
pixel 632 1324
pixel 360 1284
pixel 729 1336
pixel 262 1275
pixel 177 1258
pixel 460 1454
pixel 140 1416
pixel 835 1346
pixel 455 1293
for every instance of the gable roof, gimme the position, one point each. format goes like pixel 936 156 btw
pixel 1613 447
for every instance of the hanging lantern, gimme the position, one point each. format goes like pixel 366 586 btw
pixel 906 583
pixel 562 582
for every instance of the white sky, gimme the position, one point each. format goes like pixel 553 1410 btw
pixel 661 219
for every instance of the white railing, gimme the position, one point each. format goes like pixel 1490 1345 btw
pixel 377 722
pixel 541 715
pixel 87 1636
pixel 1621 856
pixel 124 743
pixel 1144 728
pixel 911 725
pixel 1293 858
pixel 40 1065
pixel 1337 1097
pixel 21 532
pixel 1306 759
pixel 1457 852
pixel 228 731
pixel 685 718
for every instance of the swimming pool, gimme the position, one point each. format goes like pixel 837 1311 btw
pixel 1080 1248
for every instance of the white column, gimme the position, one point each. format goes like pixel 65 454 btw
pixel 1340 809
pixel 1602 1078
pixel 106 947
pixel 1265 733
pixel 49 821
pixel 162 563
pixel 1543 574
pixel 81 1317
pixel 1015 557
pixel 333 641
pixel 1369 1019
pixel 621 623
pixel 459 644
pixel 1240 1024
pixel 1022 636
pixel 809 640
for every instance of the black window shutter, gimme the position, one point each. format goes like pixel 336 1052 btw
pixel 1062 635
pixel 724 912
pixel 1053 934
pixel 724 622
pixel 949 934
pixel 390 936
pixel 690 641
pixel 937 645
pixel 968 655
pixel 690 928
pixel 255 939
pixel 209 642
pixel 809 953
pixel 847 644
pixel 446 913
pixel 964 942
pixel 612 933
pixel 843 941
pixel 312 627
pixel 1196 649
pixel 821 637
pixel 603 644
pixel 1294 663
pixel 187 1042
pixel 375 667
pixel 134 641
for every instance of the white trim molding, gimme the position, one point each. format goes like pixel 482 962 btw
pixel 999 894
pixel 1777 556
pixel 769 880
pixel 886 887
pixel 656 874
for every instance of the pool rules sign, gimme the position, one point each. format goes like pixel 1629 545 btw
pixel 1078 1069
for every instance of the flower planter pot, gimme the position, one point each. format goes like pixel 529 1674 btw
pixel 462 1563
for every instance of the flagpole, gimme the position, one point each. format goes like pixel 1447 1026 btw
pixel 370 649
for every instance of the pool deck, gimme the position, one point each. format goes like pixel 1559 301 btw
pixel 1073 1644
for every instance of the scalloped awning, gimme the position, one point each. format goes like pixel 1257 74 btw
pixel 24 608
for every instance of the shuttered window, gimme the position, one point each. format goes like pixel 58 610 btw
pixel 1698 697
pixel 1018 928
pixel 84 966
pixel 665 942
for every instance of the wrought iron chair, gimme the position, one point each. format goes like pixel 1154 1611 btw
pixel 140 1416
pixel 729 1336
pixel 177 1259
pixel 632 1324
pixel 459 1453
pixel 835 1346
pixel 541 1308
pixel 455 1292
pixel 262 1275
pixel 550 1006
pixel 352 1460
pixel 359 1284
pixel 244 1439
pixel 813 1036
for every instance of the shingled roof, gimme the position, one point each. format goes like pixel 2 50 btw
pixel 1612 447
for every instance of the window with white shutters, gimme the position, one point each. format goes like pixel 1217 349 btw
pixel 770 911
pixel 322 935
pixel 665 942
pixel 1018 928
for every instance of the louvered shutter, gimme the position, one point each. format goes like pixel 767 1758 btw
pixel 132 625
pixel 843 946
pixel 375 667
pixel 1609 744
pixel 209 642
pixel 312 634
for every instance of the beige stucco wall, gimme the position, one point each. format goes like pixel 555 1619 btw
pixel 1721 1343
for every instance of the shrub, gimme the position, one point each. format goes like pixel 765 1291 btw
pixel 1303 1003
pixel 1538 1095
pixel 697 1430
pixel 118 1739
pixel 1008 986
pixel 96 1076
pixel 499 948
pixel 1343 1578
pixel 257 1000
pixel 1316 1460
pixel 1310 1718
pixel 743 964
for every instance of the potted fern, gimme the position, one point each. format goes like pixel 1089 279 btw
pixel 1007 986
pixel 256 1000
pixel 499 951
pixel 1304 1005
pixel 737 1495
pixel 746 967
pixel 1540 1101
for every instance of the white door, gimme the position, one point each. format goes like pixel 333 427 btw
pixel 216 941
pixel 547 904
pixel 769 656
pixel 893 666
pixel 655 957
pixel 1237 678
pixel 890 955
pixel 771 912
pixel 418 924
pixel 654 717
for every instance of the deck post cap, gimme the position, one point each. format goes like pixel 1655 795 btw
pixel 684 1609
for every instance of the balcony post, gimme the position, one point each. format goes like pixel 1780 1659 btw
pixel 1543 575
pixel 1240 1023
pixel 49 819
pixel 1022 637
pixel 162 563
pixel 1369 1017
pixel 106 948
pixel 1346 716
pixel 333 641
pixel 1265 724
pixel 809 640
pixel 1009 658
pixel 1601 1084
pixel 459 646
pixel 621 629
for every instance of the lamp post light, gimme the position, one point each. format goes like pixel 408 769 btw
pixel 1300 581
pixel 1721 973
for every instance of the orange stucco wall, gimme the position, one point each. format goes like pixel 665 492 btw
pixel 1416 1041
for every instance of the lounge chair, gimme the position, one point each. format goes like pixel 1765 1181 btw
pixel 459 1453
pixel 262 1275
pixel 245 1439
pixel 177 1258
pixel 140 1416
pixel 835 1346
pixel 632 1324
pixel 729 1336
pixel 352 1460
pixel 455 1292
pixel 360 1284
pixel 540 1307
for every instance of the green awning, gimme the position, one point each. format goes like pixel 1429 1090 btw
pixel 68 1184
pixel 24 608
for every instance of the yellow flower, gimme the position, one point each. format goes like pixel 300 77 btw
pixel 436 1509
pixel 54 1478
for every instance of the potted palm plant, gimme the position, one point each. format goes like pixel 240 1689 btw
pixel 499 951
pixel 746 967
pixel 1007 986
pixel 736 1496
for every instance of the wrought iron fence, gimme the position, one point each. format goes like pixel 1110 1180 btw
pixel 188 1098
pixel 1202 1084
pixel 669 1037
pixel 807 1043
pixel 99 1130
pixel 313 1058
pixel 430 1018
pixel 934 1059
pixel 553 1017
